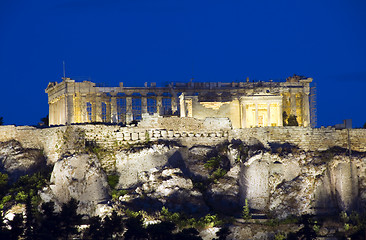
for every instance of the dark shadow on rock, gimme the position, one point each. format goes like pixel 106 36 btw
pixel 177 161
pixel 145 203
pixel 283 148
pixel 224 204
pixel 182 201
pixel 17 161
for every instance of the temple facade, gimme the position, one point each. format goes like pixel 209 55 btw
pixel 246 104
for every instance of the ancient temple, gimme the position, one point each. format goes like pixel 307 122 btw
pixel 246 104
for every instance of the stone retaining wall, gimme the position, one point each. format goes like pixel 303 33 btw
pixel 312 139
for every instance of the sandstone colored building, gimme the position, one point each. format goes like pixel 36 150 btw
pixel 246 104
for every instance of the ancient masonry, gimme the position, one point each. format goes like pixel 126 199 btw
pixel 246 104
pixel 188 132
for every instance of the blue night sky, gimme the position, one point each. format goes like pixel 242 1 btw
pixel 137 41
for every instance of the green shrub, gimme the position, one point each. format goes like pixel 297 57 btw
pixel 131 213
pixel 346 226
pixel 280 236
pixel 21 197
pixel 113 180
pixel 217 174
pixel 117 193
pixel 213 163
pixel 169 216
pixel 183 222
pixel 211 220
pixel 344 217
pixel 5 200
pixel 4 178
pixel 246 211
pixel 200 185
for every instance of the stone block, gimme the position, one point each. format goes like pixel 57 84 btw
pixel 127 136
pixel 134 136
pixel 164 134
pixel 170 133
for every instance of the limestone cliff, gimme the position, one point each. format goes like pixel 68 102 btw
pixel 216 176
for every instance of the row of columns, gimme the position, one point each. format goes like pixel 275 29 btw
pixel 112 109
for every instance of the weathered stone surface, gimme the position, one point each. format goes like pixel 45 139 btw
pixel 167 187
pixel 80 177
pixel 254 181
pixel 17 161
pixel 130 164
pixel 302 183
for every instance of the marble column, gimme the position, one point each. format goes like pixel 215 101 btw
pixel 143 105
pixel 244 116
pixel 69 109
pixel 129 114
pixel 280 109
pixel 268 114
pixel 293 103
pixel 114 112
pixel 174 104
pixel 83 110
pixel 256 114
pixel 182 105
pixel 98 109
pixel 306 109
pixel 159 104
pixel 50 114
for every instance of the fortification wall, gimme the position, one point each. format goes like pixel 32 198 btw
pixel 50 139
pixel 312 139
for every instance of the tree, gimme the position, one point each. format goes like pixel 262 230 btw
pixel 4 232
pixel 30 223
pixel 95 229
pixel 44 121
pixel 112 225
pixel 135 229
pixel 16 226
pixel 364 126
pixel 3 182
pixel 1 120
pixel 49 223
pixel 292 120
pixel 69 218
pixel 161 231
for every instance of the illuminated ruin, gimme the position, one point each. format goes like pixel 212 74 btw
pixel 246 104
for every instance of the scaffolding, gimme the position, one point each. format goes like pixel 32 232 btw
pixel 313 109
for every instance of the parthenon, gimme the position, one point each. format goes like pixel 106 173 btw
pixel 246 104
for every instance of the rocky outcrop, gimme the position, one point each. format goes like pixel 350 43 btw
pixel 79 177
pixel 166 187
pixel 17 161
pixel 303 183
pixel 130 163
